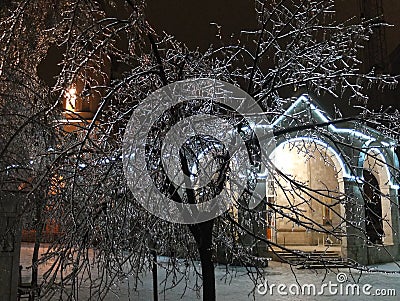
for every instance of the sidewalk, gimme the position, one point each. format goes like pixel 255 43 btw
pixel 238 287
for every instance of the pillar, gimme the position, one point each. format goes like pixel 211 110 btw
pixel 355 221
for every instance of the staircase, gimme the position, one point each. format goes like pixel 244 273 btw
pixel 311 260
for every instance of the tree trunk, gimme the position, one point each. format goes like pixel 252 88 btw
pixel 35 256
pixel 155 275
pixel 203 235
pixel 40 204
pixel 208 273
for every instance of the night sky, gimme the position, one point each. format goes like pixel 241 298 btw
pixel 190 22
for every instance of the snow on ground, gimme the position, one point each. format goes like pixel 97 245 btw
pixel 239 287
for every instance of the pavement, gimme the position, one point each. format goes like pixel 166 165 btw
pixel 280 282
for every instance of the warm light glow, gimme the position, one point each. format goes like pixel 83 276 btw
pixel 57 184
pixel 71 99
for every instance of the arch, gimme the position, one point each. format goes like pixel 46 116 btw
pixel 342 170
pixel 375 163
pixel 338 169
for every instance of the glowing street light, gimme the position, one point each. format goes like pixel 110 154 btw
pixel 71 99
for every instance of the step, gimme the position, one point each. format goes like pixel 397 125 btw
pixel 313 259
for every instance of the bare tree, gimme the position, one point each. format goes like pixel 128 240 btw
pixel 64 142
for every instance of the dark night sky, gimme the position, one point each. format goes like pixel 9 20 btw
pixel 189 21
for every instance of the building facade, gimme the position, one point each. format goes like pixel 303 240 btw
pixel 334 184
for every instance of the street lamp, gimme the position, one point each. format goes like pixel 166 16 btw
pixel 70 95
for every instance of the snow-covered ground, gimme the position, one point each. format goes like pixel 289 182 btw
pixel 280 278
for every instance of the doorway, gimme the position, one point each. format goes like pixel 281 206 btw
pixel 373 209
